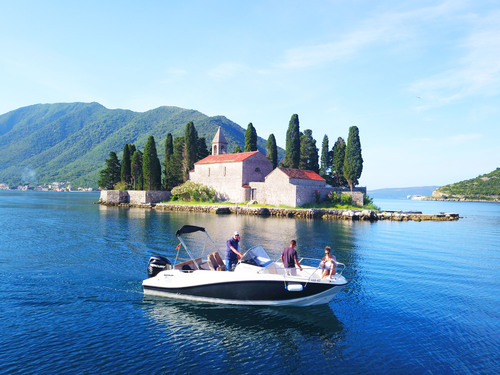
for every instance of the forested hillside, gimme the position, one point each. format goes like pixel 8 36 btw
pixel 70 141
pixel 484 187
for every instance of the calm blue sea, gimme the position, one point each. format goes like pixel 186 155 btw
pixel 424 297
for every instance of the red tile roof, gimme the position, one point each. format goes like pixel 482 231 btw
pixel 301 174
pixel 226 158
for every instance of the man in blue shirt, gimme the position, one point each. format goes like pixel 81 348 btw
pixel 290 259
pixel 232 251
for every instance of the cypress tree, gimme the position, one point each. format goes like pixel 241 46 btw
pixel 125 168
pixel 177 161
pixel 110 175
pixel 169 150
pixel 272 150
pixel 190 146
pixel 353 161
pixel 203 150
pixel 292 152
pixel 308 152
pixel 250 138
pixel 151 169
pixel 338 155
pixel 326 158
pixel 136 171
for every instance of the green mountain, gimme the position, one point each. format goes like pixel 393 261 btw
pixel 70 141
pixel 484 187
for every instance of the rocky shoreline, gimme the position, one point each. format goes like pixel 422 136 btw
pixel 325 214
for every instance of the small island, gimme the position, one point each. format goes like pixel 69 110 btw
pixel 484 188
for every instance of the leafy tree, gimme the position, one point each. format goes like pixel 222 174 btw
pixel 338 156
pixel 151 169
pixel 190 146
pixel 292 152
pixel 237 150
pixel 250 138
pixel 203 150
pixel 326 158
pixel 169 151
pixel 353 161
pixel 308 152
pixel 110 175
pixel 272 150
pixel 125 168
pixel 137 180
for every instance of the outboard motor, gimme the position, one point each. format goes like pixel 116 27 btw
pixel 158 263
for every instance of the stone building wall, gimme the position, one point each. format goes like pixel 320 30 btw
pixel 225 178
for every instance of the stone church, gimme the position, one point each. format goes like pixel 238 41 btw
pixel 248 176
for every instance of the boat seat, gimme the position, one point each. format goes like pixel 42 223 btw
pixel 216 262
pixel 188 263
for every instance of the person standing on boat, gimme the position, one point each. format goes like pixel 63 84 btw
pixel 232 251
pixel 290 259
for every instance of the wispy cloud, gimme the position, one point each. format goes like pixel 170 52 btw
pixel 454 140
pixel 227 70
pixel 476 73
pixel 382 28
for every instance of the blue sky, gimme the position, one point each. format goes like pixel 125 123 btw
pixel 420 79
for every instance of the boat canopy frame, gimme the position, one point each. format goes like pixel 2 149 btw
pixel 187 229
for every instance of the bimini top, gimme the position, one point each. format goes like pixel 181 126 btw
pixel 189 229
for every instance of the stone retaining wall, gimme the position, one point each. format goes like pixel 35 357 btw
pixel 133 197
pixel 328 214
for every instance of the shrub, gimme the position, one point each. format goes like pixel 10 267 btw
pixel 192 191
pixel 346 199
pixel 334 198
pixel 317 196
pixel 120 186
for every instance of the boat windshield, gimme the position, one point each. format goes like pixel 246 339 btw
pixel 257 256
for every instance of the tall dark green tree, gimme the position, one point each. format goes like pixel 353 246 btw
pixel 110 175
pixel 326 158
pixel 203 150
pixel 169 151
pixel 125 168
pixel 250 138
pixel 190 146
pixel 353 161
pixel 137 180
pixel 272 150
pixel 308 152
pixel 292 152
pixel 338 156
pixel 177 176
pixel 151 169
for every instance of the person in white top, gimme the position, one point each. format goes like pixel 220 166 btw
pixel 328 263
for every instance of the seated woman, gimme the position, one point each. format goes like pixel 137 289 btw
pixel 328 263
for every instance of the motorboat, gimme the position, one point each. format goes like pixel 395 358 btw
pixel 255 280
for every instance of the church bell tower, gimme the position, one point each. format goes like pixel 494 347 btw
pixel 219 144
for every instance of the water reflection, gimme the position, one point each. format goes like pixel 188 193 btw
pixel 246 335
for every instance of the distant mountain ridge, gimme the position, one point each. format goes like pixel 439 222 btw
pixel 43 143
pixel 401 193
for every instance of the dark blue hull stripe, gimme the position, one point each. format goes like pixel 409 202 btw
pixel 247 290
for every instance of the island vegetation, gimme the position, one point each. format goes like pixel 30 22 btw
pixel 485 187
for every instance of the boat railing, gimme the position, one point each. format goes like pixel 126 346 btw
pixel 309 271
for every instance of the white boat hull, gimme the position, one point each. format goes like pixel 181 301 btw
pixel 244 286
